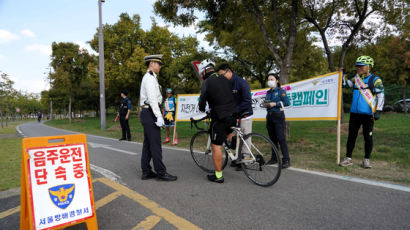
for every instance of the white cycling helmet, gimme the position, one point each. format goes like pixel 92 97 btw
pixel 274 73
pixel 205 64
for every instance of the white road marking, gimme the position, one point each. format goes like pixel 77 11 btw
pixel 357 180
pixel 19 131
pixel 96 145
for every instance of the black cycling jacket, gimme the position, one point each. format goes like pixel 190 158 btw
pixel 217 91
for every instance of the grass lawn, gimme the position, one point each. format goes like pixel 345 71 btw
pixel 10 156
pixel 312 144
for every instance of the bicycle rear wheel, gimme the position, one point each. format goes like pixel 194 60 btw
pixel 201 152
pixel 255 165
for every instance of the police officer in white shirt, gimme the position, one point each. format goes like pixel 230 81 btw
pixel 152 120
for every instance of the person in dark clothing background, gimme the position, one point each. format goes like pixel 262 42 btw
pixel 243 100
pixel 275 101
pixel 217 91
pixel 124 114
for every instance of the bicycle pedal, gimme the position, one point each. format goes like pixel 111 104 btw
pixel 247 160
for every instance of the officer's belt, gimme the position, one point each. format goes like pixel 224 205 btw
pixel 145 106
pixel 274 112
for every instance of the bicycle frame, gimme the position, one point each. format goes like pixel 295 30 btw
pixel 237 131
pixel 235 156
pixel 252 158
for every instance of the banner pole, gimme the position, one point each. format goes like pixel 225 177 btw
pixel 175 120
pixel 338 142
pixel 175 128
pixel 339 105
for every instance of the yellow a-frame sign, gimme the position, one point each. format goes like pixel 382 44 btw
pixel 56 186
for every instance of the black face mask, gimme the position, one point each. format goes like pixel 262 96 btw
pixel 208 74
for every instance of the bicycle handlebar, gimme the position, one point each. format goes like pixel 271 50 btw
pixel 194 121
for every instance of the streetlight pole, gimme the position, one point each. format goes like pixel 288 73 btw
pixel 49 91
pixel 101 63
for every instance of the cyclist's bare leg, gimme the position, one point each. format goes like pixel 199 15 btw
pixel 217 157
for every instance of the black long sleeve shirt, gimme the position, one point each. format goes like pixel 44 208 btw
pixel 217 91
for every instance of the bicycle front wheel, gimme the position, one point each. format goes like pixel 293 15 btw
pixel 201 152
pixel 256 154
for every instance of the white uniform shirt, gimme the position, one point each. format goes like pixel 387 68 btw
pixel 150 93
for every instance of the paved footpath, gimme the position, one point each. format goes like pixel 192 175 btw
pixel 299 200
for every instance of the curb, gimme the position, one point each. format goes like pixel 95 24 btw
pixel 9 193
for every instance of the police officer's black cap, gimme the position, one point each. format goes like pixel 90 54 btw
pixel 224 66
pixel 125 92
pixel 155 58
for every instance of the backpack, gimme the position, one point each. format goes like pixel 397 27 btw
pixel 371 83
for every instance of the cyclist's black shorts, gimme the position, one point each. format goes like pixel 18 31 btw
pixel 220 128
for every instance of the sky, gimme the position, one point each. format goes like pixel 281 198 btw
pixel 29 27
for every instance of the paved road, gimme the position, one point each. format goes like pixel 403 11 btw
pixel 297 201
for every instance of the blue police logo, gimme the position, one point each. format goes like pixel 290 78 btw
pixel 62 195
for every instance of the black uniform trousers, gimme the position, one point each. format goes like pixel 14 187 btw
pixel 275 123
pixel 151 148
pixel 356 120
pixel 126 132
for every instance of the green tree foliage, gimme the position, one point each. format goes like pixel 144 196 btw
pixel 271 25
pixel 123 56
pixel 6 89
pixel 125 46
pixel 393 55
pixel 344 21
pixel 11 99
pixel 70 64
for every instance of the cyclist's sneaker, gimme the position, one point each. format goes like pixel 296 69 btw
pixel 213 178
pixel 166 140
pixel 366 163
pixel 346 162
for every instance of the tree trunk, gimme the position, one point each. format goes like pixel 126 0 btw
pixel 341 61
pixel 404 99
pixel 69 109
pixel 1 116
pixel 342 110
pixel 329 55
pixel 7 111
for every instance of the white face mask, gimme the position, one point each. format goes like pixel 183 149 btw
pixel 272 84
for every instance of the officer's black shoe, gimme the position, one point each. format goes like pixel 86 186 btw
pixel 167 177
pixel 213 178
pixel 122 139
pixel 272 161
pixel 129 139
pixel 285 164
pixel 150 175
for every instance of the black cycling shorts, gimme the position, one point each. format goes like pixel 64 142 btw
pixel 220 128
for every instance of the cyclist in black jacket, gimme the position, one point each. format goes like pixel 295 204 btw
pixel 217 91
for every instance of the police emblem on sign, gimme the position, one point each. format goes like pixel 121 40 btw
pixel 62 195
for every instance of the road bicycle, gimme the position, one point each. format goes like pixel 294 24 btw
pixel 253 151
